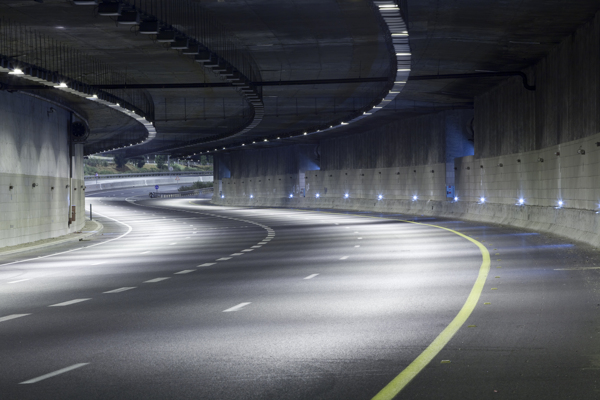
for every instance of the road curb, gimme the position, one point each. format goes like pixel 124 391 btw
pixel 79 237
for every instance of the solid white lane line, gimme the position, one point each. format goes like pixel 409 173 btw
pixel 20 280
pixel 119 290
pixel 311 276
pixel 79 248
pixel 206 264
pixel 98 263
pixel 51 374
pixel 185 271
pixel 237 254
pixel 248 250
pixel 237 308
pixel 156 280
pixel 12 316
pixel 68 303
pixel 224 259
pixel 344 258
pixel 145 252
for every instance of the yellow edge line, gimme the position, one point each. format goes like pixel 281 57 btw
pixel 393 388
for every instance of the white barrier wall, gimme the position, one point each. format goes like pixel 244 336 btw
pixel 400 183
pixel 569 172
pixel 36 190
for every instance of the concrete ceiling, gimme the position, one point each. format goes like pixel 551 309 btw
pixel 308 40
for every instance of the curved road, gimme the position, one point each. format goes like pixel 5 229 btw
pixel 181 299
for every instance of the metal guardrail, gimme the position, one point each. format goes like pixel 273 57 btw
pixel 186 193
pixel 143 174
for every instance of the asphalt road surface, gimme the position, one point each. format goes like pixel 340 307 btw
pixel 179 299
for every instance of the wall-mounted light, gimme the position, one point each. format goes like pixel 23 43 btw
pixel 52 188
pixel 456 198
pixel 581 151
pixel 540 159
pixel 317 195
pixel 415 198
pixel 251 196
pixel 521 201
pixel 557 153
pixel 67 186
pixel 34 184
pixel 560 203
pixel 481 200
pixel 10 187
pixel 501 165
pixel 291 195
pixel 380 197
pixel 222 196
pixel 346 195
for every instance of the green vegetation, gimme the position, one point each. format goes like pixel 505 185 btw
pixel 105 166
pixel 120 160
pixel 160 162
pixel 196 185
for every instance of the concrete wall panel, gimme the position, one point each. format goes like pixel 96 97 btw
pixel 34 161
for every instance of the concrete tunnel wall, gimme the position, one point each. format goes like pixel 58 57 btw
pixel 34 149
pixel 542 146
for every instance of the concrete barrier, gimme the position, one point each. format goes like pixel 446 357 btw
pixel 141 182
pixel 580 225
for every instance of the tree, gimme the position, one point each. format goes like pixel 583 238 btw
pixel 141 163
pixel 160 161
pixel 120 160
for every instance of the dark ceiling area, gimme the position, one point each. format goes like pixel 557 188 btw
pixel 335 51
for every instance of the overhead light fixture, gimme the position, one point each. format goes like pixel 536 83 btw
pixel 16 71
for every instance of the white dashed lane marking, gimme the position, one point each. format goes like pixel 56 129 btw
pixel 185 271
pixel 224 259
pixel 248 250
pixel 236 308
pixel 311 276
pixel 156 280
pixel 51 374
pixel 13 316
pixel 20 280
pixel 145 252
pixel 119 290
pixel 68 303
pixel 237 254
pixel 206 264
pixel 344 258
